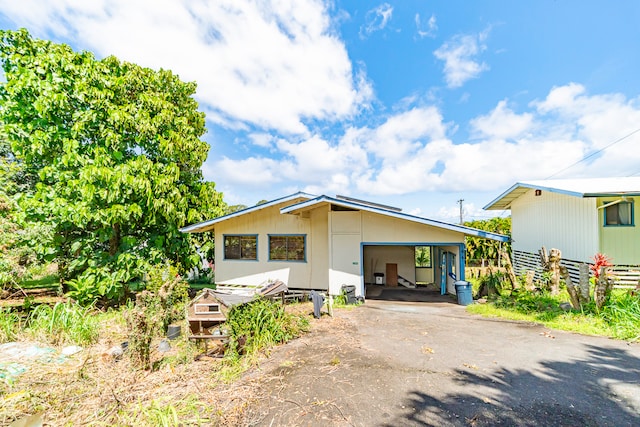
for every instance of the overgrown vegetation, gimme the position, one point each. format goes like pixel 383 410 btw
pixel 480 250
pixel 619 318
pixel 259 325
pixel 62 323
pixel 102 159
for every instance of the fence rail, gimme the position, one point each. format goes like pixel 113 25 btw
pixel 624 276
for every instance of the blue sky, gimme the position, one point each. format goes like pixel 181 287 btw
pixel 416 104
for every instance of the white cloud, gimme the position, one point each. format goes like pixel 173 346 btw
pixel 502 123
pixel 460 58
pixel 264 140
pixel 254 172
pixel 428 30
pixel 272 64
pixel 376 19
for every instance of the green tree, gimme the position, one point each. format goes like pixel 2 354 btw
pixel 479 249
pixel 117 153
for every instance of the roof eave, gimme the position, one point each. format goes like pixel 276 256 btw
pixel 299 207
pixel 204 226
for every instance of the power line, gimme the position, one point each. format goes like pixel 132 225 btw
pixel 595 152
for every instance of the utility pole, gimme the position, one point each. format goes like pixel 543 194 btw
pixel 460 203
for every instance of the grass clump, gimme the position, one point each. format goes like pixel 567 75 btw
pixel 10 324
pixel 64 323
pixel 261 324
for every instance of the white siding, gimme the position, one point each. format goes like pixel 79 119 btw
pixel 557 221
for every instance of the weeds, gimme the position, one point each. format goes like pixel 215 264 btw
pixel 620 318
pixel 63 323
pixel 9 325
pixel 261 324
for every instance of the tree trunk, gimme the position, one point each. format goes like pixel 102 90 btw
pixel 573 292
pixel 509 268
pixel 554 266
pixel 585 285
pixel 529 281
pixel 544 258
pixel 114 240
pixel 603 288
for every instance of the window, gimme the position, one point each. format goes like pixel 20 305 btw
pixel 287 248
pixel 241 247
pixel 618 214
pixel 423 256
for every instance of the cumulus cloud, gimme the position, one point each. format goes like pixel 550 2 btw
pixel 460 55
pixel 412 150
pixel 376 19
pixel 427 29
pixel 501 123
pixel 270 64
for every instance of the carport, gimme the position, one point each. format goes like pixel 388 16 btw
pixel 413 265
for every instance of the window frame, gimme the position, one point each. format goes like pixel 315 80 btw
pixel 631 213
pixel 240 236
pixel 287 236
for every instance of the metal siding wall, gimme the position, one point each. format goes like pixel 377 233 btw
pixel 622 244
pixel 555 221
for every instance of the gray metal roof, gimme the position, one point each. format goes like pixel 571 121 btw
pixel 586 187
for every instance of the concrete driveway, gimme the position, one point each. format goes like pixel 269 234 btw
pixel 394 362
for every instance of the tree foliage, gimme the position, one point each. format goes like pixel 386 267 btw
pixel 116 156
pixel 484 249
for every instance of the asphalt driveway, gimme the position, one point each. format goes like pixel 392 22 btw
pixel 396 362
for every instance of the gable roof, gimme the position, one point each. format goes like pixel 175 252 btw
pixel 587 187
pixel 390 212
pixel 209 224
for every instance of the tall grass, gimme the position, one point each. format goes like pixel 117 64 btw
pixel 622 313
pixel 261 324
pixel 63 323
pixel 10 323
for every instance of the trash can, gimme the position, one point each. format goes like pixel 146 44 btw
pixel 463 291
pixel 379 278
pixel 350 292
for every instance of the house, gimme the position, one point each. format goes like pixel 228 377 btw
pixel 581 217
pixel 322 243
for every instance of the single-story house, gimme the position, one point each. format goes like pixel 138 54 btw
pixel 581 217
pixel 322 243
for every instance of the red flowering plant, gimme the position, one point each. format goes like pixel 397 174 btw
pixel 599 261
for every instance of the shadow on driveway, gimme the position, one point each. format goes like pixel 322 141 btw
pixel 599 390
pixel 383 293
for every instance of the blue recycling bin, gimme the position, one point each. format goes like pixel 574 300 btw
pixel 463 292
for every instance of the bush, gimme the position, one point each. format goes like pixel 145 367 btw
pixel 261 324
